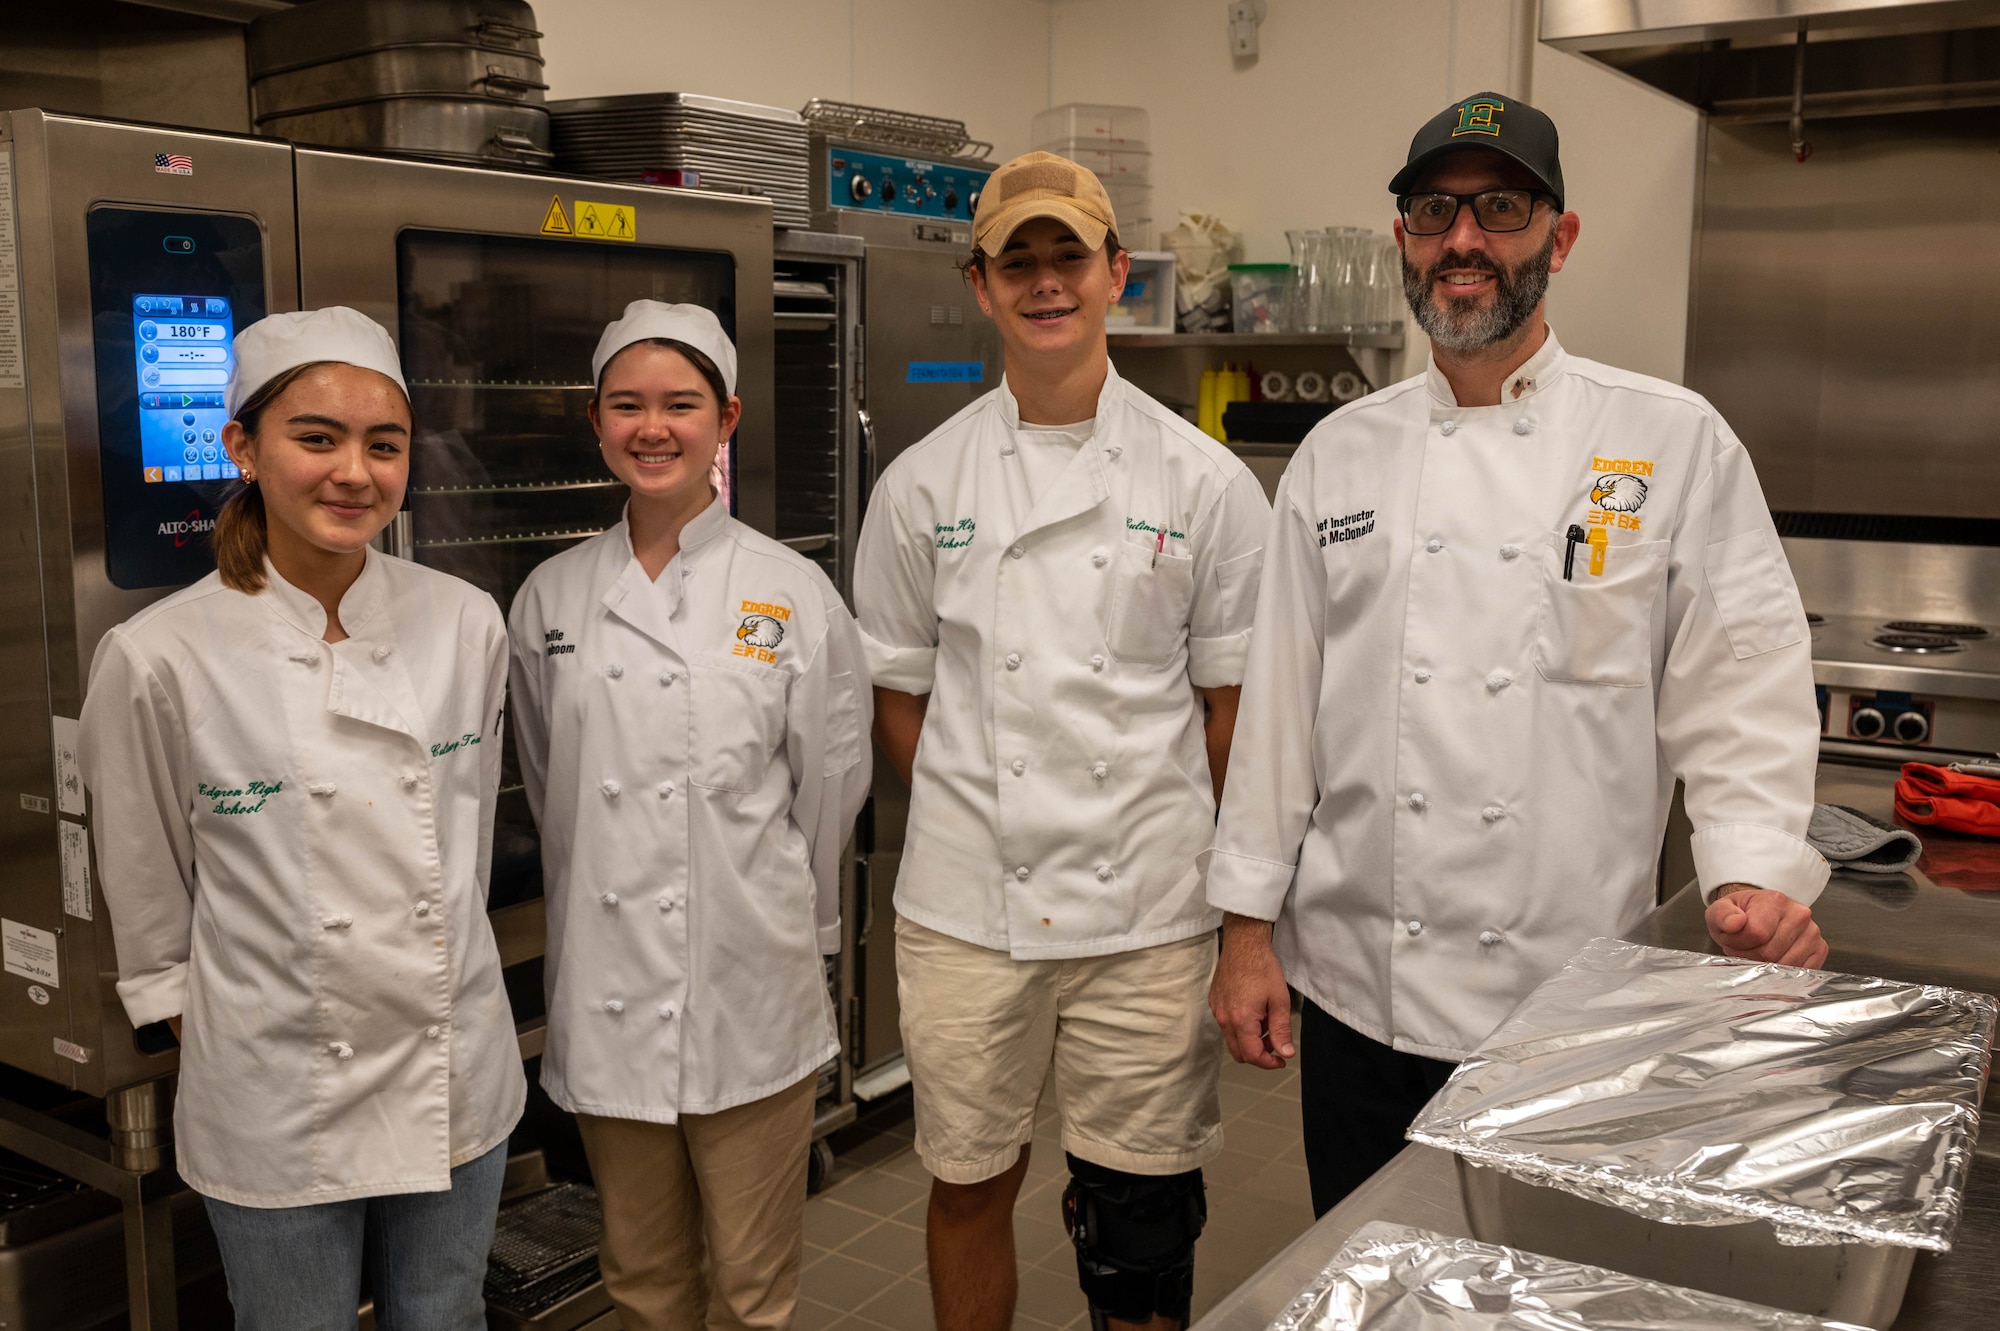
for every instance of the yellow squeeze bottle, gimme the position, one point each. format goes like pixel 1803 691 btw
pixel 1205 412
pixel 1225 393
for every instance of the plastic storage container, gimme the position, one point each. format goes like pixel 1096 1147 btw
pixel 1126 166
pixel 1257 295
pixel 1112 142
pixel 1148 303
pixel 1087 123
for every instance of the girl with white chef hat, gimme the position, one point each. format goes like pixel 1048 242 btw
pixel 293 764
pixel 689 706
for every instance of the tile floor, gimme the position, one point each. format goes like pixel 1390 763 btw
pixel 865 1238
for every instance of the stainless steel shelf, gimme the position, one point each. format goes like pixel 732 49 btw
pixel 524 488
pixel 522 538
pixel 1244 341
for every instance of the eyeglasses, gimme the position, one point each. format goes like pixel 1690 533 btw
pixel 1493 209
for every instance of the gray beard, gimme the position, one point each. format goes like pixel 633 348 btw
pixel 1518 293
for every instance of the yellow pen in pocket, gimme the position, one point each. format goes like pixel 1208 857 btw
pixel 1600 540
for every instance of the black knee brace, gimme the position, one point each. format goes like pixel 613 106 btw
pixel 1134 1236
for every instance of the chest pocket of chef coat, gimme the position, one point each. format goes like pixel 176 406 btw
pixel 1598 628
pixel 739 722
pixel 1150 599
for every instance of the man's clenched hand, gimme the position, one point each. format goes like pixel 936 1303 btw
pixel 1760 925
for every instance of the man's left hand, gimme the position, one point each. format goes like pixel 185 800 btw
pixel 1760 925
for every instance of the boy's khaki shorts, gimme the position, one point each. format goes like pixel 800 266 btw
pixel 1135 1052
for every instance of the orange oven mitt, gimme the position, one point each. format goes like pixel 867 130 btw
pixel 1944 797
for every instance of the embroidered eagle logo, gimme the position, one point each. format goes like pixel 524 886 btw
pixel 761 631
pixel 1619 494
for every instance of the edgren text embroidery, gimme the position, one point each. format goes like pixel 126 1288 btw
pixel 234 801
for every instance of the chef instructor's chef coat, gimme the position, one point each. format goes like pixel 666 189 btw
pixel 1061 786
pixel 694 754
pixel 294 839
pixel 1453 764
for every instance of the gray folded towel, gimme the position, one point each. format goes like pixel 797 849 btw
pixel 1853 840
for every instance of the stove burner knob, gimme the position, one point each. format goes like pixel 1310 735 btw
pixel 1912 728
pixel 1867 723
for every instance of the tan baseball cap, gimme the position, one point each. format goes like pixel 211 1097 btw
pixel 1042 185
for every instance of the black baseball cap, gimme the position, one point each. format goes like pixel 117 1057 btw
pixel 1487 120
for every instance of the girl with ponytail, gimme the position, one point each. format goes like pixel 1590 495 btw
pixel 294 764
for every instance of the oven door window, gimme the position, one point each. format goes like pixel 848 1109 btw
pixel 497 334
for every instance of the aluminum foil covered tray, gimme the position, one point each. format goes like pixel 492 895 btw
pixel 1700 1090
pixel 1393 1278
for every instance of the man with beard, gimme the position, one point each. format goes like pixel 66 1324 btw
pixel 1504 605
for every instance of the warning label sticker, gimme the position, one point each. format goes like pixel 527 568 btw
pixel 606 221
pixel 75 869
pixel 13 373
pixel 28 951
pixel 69 773
pixel 554 223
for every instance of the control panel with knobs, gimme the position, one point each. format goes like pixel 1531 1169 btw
pixel 908 186
pixel 1889 717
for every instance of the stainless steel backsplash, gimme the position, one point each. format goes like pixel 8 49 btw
pixel 1895 580
pixel 1845 311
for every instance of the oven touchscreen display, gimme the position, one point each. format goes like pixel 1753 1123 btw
pixel 182 346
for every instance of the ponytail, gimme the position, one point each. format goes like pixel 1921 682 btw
pixel 238 540
pixel 241 532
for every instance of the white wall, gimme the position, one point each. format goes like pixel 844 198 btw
pixel 1307 134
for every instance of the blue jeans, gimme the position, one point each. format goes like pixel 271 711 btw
pixel 298 1268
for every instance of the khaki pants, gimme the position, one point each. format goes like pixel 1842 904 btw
pixel 703 1219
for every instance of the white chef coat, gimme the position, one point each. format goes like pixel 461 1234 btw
pixel 1062 789
pixel 694 754
pixel 1452 765
pixel 294 839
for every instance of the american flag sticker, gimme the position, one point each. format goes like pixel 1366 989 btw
pixel 173 164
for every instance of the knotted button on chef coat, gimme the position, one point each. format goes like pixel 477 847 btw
pixel 1454 762
pixel 294 839
pixel 1062 789
pixel 694 754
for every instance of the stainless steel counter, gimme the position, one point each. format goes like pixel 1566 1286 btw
pixel 1903 926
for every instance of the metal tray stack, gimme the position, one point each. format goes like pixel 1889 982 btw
pixel 449 80
pixel 737 146
pixel 544 1250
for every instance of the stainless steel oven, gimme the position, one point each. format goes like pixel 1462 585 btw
pixel 128 257
pixel 496 286
pixel 1906 655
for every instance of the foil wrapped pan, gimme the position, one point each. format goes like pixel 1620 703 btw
pixel 1702 1090
pixel 1394 1278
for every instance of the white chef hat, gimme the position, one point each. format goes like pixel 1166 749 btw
pixel 280 342
pixel 694 325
